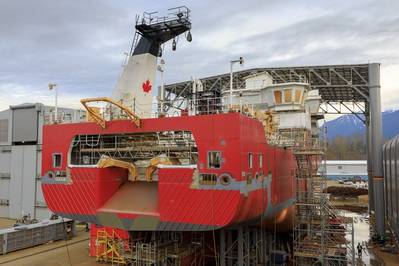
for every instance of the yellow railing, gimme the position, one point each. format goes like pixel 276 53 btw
pixel 94 114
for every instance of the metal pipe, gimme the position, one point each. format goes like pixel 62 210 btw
pixel 231 84
pixel 162 92
pixel 194 106
pixel 52 86
pixel 56 104
pixel 232 62
pixel 376 141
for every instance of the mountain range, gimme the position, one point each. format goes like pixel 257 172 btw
pixel 349 125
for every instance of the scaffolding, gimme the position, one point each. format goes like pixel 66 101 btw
pixel 150 248
pixel 241 245
pixel 110 248
pixel 248 245
pixel 321 235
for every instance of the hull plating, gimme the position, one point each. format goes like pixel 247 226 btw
pixel 176 201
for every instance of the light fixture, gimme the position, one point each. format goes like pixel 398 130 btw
pixel 189 36
pixel 174 44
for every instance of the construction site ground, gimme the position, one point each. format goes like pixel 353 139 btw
pixel 76 250
pixel 389 259
pixel 357 207
pixel 58 253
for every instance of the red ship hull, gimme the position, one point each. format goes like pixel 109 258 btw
pixel 104 196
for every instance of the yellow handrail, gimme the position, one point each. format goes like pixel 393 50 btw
pixel 100 120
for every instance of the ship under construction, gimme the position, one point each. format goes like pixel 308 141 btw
pixel 223 178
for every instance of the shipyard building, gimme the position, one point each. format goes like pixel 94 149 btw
pixel 20 157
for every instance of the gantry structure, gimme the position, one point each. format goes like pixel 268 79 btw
pixel 344 89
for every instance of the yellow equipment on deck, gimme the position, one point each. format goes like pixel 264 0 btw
pixel 106 161
pixel 154 162
pixel 94 114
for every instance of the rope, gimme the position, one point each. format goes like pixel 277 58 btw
pixel 66 241
pixel 213 228
pixel 275 236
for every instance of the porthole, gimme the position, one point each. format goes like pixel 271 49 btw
pixel 50 174
pixel 225 179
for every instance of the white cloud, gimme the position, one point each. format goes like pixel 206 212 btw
pixel 80 45
pixel 14 94
pixel 390 87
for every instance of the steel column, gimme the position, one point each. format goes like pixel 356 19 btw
pixel 240 246
pixel 369 165
pixel 376 148
pixel 222 248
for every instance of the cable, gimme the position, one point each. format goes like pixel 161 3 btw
pixel 275 240
pixel 261 221
pixel 66 241
pixel 213 227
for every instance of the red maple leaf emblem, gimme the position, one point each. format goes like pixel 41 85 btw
pixel 147 86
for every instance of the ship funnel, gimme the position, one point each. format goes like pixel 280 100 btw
pixel 134 87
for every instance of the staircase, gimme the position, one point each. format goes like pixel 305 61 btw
pixel 320 231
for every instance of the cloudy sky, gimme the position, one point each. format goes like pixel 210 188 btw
pixel 79 44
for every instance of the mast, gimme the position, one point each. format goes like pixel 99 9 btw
pixel 135 85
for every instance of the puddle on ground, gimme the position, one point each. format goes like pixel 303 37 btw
pixel 362 236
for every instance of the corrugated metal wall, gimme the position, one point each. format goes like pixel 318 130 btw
pixel 391 182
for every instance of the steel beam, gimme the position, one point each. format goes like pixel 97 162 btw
pixel 312 71
pixel 376 146
pixel 358 116
pixel 359 75
pixel 277 75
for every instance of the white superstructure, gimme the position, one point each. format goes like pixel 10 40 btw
pixel 293 105
pixel 135 85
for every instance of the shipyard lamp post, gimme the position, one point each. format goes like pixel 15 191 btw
pixel 161 96
pixel 52 86
pixel 232 62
